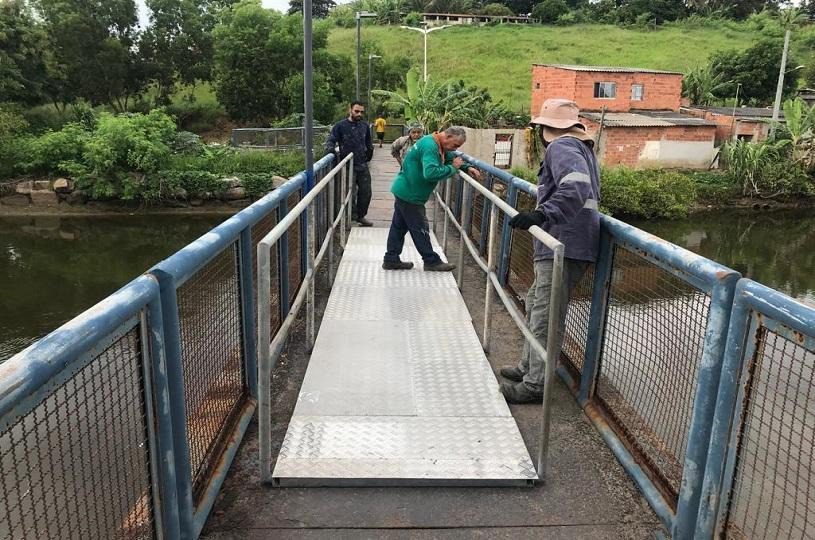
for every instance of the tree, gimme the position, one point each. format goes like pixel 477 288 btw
pixel 257 54
pixel 756 69
pixel 177 46
pixel 700 85
pixel 442 104
pixel 737 9
pixel 319 8
pixel 496 9
pixel 549 11
pixel 94 50
pixel 24 55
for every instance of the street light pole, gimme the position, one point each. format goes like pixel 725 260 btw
pixel 370 57
pixel 426 31
pixel 359 15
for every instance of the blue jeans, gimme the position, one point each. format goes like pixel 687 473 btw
pixel 410 218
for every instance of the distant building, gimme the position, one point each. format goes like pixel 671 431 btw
pixel 436 19
pixel 745 123
pixel 808 95
pixel 642 125
pixel 613 88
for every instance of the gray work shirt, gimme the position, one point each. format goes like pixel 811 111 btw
pixel 568 194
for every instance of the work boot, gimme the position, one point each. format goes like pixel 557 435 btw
pixel 520 393
pixel 398 265
pixel 365 222
pixel 513 373
pixel 439 267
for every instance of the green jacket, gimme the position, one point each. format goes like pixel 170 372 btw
pixel 421 170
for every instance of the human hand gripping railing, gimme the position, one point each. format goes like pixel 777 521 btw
pixel 493 284
pixel 269 349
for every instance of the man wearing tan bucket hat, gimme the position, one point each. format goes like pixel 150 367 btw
pixel 568 195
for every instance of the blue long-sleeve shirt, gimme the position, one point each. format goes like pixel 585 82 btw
pixel 568 194
pixel 352 137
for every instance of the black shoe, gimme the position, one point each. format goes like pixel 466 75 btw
pixel 387 265
pixel 364 222
pixel 512 373
pixel 439 267
pixel 520 393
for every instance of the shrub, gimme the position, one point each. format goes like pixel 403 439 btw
pixel 414 18
pixel 649 194
pixel 714 188
pixel 196 116
pixel 549 11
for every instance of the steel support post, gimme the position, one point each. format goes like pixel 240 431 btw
pixel 329 230
pixel 447 185
pixel 343 195
pixel 311 331
pixel 263 360
pixel 248 323
pixel 491 260
pixel 466 217
pixel 506 236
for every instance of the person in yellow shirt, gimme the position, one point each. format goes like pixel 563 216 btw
pixel 379 126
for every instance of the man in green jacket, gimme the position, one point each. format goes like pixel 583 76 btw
pixel 429 161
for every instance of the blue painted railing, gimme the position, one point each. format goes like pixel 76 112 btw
pixel 124 421
pixel 653 319
pixel 136 407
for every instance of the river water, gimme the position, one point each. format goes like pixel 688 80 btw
pixel 54 267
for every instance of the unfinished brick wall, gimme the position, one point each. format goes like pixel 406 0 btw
pixel 661 91
pixel 625 145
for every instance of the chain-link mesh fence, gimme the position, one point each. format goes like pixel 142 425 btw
pixel 277 138
pixel 521 272
pixel 209 306
pixel 773 491
pixel 259 230
pixel 654 337
pixel 77 465
pixel 295 261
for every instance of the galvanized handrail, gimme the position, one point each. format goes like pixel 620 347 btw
pixel 268 349
pixel 553 344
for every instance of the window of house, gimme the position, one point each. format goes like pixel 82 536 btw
pixel 605 90
pixel 637 92
pixel 537 86
pixel 503 150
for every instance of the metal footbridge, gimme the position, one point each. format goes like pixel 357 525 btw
pixel 398 390
pixel 223 389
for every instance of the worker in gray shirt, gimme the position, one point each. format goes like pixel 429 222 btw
pixel 404 143
pixel 568 195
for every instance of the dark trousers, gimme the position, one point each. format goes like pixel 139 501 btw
pixel 410 218
pixel 362 194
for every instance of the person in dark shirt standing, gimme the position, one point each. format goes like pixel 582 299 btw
pixel 353 137
pixel 568 197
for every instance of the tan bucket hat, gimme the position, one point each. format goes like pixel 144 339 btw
pixel 559 114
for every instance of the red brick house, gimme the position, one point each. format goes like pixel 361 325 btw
pixel 642 125
pixel 747 123
pixel 616 89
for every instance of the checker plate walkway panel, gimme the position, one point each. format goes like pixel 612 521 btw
pixel 398 390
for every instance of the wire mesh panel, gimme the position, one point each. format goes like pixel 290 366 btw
pixel 576 333
pixel 259 230
pixel 294 247
pixel 77 465
pixel 773 491
pixel 653 345
pixel 209 308
pixel 521 270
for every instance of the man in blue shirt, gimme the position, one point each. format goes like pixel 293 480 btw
pixel 568 196
pixel 353 137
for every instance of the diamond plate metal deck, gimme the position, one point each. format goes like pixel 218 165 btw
pixel 398 390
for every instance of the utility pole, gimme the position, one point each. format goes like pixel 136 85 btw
pixel 780 88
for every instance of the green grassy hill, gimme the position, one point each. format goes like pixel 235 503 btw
pixel 499 58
